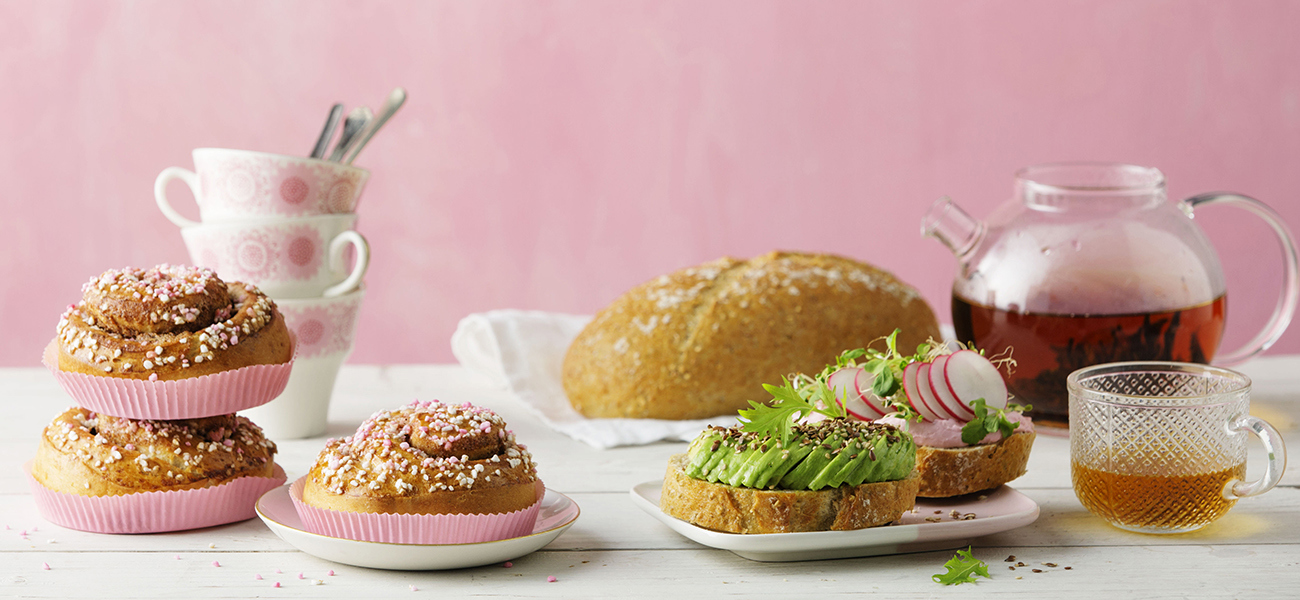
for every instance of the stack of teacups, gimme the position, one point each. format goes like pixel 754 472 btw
pixel 285 224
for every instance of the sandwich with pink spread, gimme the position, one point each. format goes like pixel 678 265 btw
pixel 953 401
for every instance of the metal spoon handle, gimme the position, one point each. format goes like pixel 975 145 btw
pixel 353 124
pixel 336 113
pixel 395 100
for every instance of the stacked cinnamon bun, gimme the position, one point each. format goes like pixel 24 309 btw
pixel 159 360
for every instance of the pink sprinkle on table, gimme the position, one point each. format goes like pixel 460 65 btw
pixel 216 564
pixel 551 579
pixel 415 589
pixel 277 584
pixel 257 576
pixel 330 573
pixel 300 576
pixel 508 565
pixel 45 566
pixel 278 571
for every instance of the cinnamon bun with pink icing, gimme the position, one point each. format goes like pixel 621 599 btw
pixel 426 458
pixel 167 323
pixel 91 454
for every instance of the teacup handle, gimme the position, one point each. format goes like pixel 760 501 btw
pixel 160 192
pixel 337 245
pixel 1286 302
pixel 1276 459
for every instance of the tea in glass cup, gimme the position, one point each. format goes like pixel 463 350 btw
pixel 1160 447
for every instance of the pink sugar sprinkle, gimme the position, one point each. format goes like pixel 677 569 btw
pixel 178 557
pixel 277 584
pixel 300 576
pixel 216 564
pixel 45 566
pixel 551 579
pixel 415 589
pixel 153 377
pixel 24 532
pixel 508 564
pixel 258 576
pixel 330 573
pixel 278 571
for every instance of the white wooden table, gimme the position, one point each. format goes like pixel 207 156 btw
pixel 616 550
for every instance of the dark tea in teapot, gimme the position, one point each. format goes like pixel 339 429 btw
pixel 1089 263
pixel 1048 347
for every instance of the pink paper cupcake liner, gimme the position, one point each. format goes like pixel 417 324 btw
pixel 415 529
pixel 193 398
pixel 154 512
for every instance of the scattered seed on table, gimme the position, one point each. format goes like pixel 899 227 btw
pixel 1068 568
pixel 1010 558
pixel 1049 564
pixel 1011 567
pixel 1020 564
pixel 1037 570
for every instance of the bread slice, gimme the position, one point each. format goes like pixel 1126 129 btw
pixel 731 509
pixel 955 471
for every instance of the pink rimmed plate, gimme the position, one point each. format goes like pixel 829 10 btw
pixel 995 511
pixel 557 514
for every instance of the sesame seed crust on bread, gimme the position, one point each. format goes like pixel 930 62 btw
pixel 691 344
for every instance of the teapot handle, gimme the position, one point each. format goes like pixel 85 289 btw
pixel 1286 302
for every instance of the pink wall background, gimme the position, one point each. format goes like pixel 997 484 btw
pixel 553 155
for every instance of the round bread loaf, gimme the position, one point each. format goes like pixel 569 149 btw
pixel 90 454
pixel 693 344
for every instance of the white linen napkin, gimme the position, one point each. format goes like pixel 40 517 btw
pixel 523 351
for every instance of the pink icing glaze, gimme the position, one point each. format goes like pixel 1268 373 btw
pixel 946 433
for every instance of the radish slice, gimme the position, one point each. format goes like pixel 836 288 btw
pixel 844 382
pixel 849 385
pixel 925 399
pixel 948 404
pixel 971 376
pixel 869 398
pixel 910 383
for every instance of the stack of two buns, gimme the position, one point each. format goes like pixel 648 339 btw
pixel 159 359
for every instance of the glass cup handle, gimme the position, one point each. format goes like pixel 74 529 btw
pixel 1286 302
pixel 1276 459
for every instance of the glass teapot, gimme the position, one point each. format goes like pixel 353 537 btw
pixel 1090 264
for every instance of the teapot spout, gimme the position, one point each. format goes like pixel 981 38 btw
pixel 949 224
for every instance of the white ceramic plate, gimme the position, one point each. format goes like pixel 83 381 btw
pixel 999 510
pixel 275 508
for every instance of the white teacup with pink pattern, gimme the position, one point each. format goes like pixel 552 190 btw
pixel 286 258
pixel 324 329
pixel 239 185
